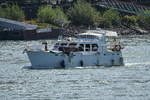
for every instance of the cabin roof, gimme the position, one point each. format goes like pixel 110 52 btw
pixel 91 34
pixel 111 34
pixel 7 23
pixel 107 33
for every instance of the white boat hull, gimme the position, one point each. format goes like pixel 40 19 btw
pixel 43 59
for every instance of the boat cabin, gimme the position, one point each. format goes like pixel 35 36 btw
pixel 85 42
pixel 77 47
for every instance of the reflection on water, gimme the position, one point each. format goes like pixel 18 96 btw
pixel 101 83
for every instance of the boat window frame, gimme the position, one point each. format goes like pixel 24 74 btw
pixel 87 47
pixel 66 44
pixel 81 47
pixel 92 48
pixel 73 44
pixel 57 44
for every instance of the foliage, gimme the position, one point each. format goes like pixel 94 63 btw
pixel 60 18
pixel 143 21
pixel 45 25
pixel 2 13
pixel 129 20
pixel 105 23
pixel 82 13
pixel 40 25
pixel 147 12
pixel 47 14
pixel 13 12
pixel 111 18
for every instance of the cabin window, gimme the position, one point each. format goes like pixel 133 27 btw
pixel 72 44
pixel 87 47
pixel 56 45
pixel 94 47
pixel 63 44
pixel 61 47
pixel 81 47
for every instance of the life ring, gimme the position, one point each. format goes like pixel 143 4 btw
pixel 117 47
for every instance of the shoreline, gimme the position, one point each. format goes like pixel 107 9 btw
pixel 68 31
pixel 132 31
pixel 123 30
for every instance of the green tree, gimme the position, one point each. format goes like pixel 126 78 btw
pixel 13 12
pixel 2 12
pixel 143 21
pixel 46 14
pixel 82 13
pixel 130 20
pixel 112 18
pixel 60 18
pixel 56 16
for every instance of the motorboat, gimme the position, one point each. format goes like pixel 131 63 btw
pixel 90 48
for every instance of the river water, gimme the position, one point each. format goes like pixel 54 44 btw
pixel 129 82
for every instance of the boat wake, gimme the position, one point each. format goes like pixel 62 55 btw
pixel 141 63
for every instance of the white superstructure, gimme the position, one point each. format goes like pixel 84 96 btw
pixel 87 49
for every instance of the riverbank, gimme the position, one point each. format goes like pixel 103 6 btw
pixel 130 31
pixel 73 20
pixel 50 33
pixel 122 30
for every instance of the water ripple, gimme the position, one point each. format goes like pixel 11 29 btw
pixel 99 83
